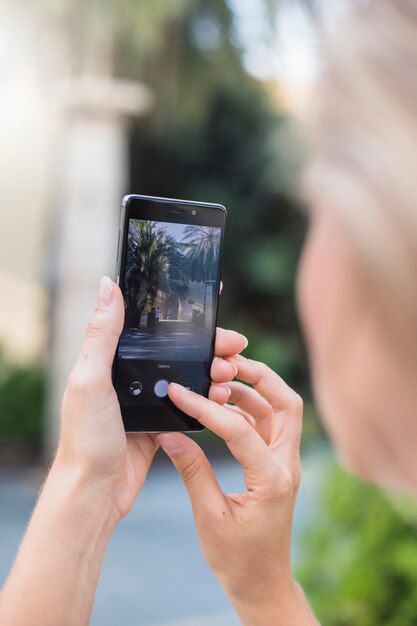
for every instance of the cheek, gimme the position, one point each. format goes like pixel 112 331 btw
pixel 318 287
pixel 325 308
pixel 358 384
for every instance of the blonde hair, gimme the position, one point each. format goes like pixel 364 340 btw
pixel 364 152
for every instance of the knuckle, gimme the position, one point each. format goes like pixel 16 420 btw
pixel 296 403
pixel 76 381
pixel 191 468
pixel 263 366
pixel 260 366
pixel 82 380
pixel 285 484
pixel 279 483
pixel 241 428
pixel 203 407
pixel 297 475
pixel 261 370
pixel 102 323
pixel 94 329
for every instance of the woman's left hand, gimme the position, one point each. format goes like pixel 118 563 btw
pixel 94 481
pixel 93 441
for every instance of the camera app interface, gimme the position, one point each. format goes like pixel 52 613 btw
pixel 170 290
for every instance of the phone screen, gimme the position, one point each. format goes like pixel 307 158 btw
pixel 170 284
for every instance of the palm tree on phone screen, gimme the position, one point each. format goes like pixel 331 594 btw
pixel 153 266
pixel 203 249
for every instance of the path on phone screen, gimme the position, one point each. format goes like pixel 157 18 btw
pixel 153 574
pixel 173 340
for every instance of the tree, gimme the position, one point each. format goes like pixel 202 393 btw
pixel 240 155
pixel 202 255
pixel 145 40
pixel 154 265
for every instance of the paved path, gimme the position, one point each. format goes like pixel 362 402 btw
pixel 153 574
pixel 170 340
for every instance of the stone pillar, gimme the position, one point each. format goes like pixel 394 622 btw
pixel 94 167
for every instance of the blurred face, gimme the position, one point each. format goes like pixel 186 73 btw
pixel 365 398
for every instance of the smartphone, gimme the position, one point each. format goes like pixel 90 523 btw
pixel 168 268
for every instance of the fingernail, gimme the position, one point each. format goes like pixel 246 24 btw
pixel 105 292
pixel 179 388
pixel 169 444
pixel 235 368
pixel 229 391
pixel 246 340
pixel 225 387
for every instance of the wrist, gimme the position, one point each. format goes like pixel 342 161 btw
pixel 82 495
pixel 254 586
pixel 275 601
pixel 59 561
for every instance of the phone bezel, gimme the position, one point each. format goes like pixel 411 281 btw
pixel 165 418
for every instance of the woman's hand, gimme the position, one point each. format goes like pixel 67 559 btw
pixel 94 481
pixel 93 440
pixel 245 537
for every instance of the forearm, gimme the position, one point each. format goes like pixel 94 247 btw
pixel 289 607
pixel 55 574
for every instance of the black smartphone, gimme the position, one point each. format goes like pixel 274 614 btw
pixel 168 268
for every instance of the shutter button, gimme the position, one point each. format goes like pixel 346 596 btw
pixel 161 388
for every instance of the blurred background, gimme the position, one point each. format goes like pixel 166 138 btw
pixel 191 99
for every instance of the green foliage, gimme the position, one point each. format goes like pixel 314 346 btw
pixel 228 159
pixel 22 398
pixel 156 261
pixel 203 245
pixel 360 557
pixel 156 268
pixel 143 23
pixel 214 134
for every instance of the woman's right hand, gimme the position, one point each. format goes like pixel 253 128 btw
pixel 245 537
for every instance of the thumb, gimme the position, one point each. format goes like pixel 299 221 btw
pixel 195 470
pixel 104 329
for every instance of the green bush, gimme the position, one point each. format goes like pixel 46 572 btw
pixel 360 557
pixel 22 399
